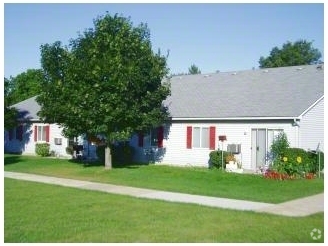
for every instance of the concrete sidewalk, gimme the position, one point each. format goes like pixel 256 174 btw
pixel 299 207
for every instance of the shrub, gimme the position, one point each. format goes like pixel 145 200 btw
pixel 42 149
pixel 294 162
pixel 279 146
pixel 216 158
pixel 315 160
pixel 297 162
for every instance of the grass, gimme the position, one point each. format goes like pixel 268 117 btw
pixel 200 181
pixel 42 213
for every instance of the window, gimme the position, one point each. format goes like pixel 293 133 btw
pixel 19 132
pixel 58 141
pixel 196 137
pixel 41 133
pixel 201 137
pixel 16 133
pixel 154 138
pixel 272 134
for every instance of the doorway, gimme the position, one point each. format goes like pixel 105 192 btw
pixel 261 143
pixel 258 148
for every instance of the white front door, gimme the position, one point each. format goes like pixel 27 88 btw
pixel 258 148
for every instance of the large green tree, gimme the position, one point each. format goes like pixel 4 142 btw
pixel 107 82
pixel 291 54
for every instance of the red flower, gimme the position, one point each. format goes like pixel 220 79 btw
pixel 310 176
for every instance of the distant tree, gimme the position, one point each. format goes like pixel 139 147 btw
pixel 23 86
pixel 10 114
pixel 108 82
pixel 291 54
pixel 194 69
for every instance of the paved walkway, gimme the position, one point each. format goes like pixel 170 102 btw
pixel 299 207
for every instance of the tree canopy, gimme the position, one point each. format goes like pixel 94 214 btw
pixel 291 54
pixel 10 114
pixel 193 69
pixel 107 82
pixel 23 86
pixel 10 118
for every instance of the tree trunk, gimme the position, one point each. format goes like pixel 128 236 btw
pixel 108 158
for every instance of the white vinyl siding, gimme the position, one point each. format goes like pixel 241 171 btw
pixel 312 128
pixel 27 146
pixel 176 153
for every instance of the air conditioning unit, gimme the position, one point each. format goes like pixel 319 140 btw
pixel 58 141
pixel 234 148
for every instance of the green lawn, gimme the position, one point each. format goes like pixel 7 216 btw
pixel 42 213
pixel 200 181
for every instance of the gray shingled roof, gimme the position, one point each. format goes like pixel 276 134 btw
pixel 273 92
pixel 28 109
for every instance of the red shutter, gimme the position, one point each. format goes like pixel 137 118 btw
pixel 140 139
pixel 160 136
pixel 35 133
pixel 212 137
pixel 189 137
pixel 19 133
pixel 47 133
pixel 11 133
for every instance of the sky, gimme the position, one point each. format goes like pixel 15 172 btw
pixel 213 36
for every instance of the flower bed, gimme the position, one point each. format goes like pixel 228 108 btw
pixel 292 163
pixel 271 174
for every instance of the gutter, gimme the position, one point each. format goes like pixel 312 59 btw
pixel 236 118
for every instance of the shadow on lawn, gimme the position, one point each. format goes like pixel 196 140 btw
pixel 86 163
pixel 130 165
pixel 12 159
pixel 92 163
